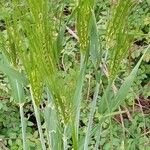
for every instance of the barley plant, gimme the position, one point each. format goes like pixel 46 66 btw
pixel 32 48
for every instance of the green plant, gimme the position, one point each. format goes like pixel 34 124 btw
pixel 31 47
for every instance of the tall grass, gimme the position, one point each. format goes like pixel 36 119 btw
pixel 32 44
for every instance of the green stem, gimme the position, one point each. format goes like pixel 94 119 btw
pixel 74 137
pixel 97 137
pixel 87 137
pixel 65 138
pixel 38 120
pixel 47 121
pixel 23 126
pixel 77 101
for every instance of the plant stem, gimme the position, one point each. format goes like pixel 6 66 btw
pixel 77 102
pixel 74 136
pixel 23 126
pixel 97 137
pixel 38 120
pixel 87 137
pixel 65 138
pixel 47 121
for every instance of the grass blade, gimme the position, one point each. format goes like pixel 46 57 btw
pixel 77 102
pixel 37 115
pixel 123 91
pixel 88 134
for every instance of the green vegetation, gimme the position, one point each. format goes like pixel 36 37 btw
pixel 74 75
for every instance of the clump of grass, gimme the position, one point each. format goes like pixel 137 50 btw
pixel 34 33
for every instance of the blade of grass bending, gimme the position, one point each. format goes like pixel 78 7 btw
pixel 37 115
pixel 13 74
pixel 93 108
pixel 123 91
